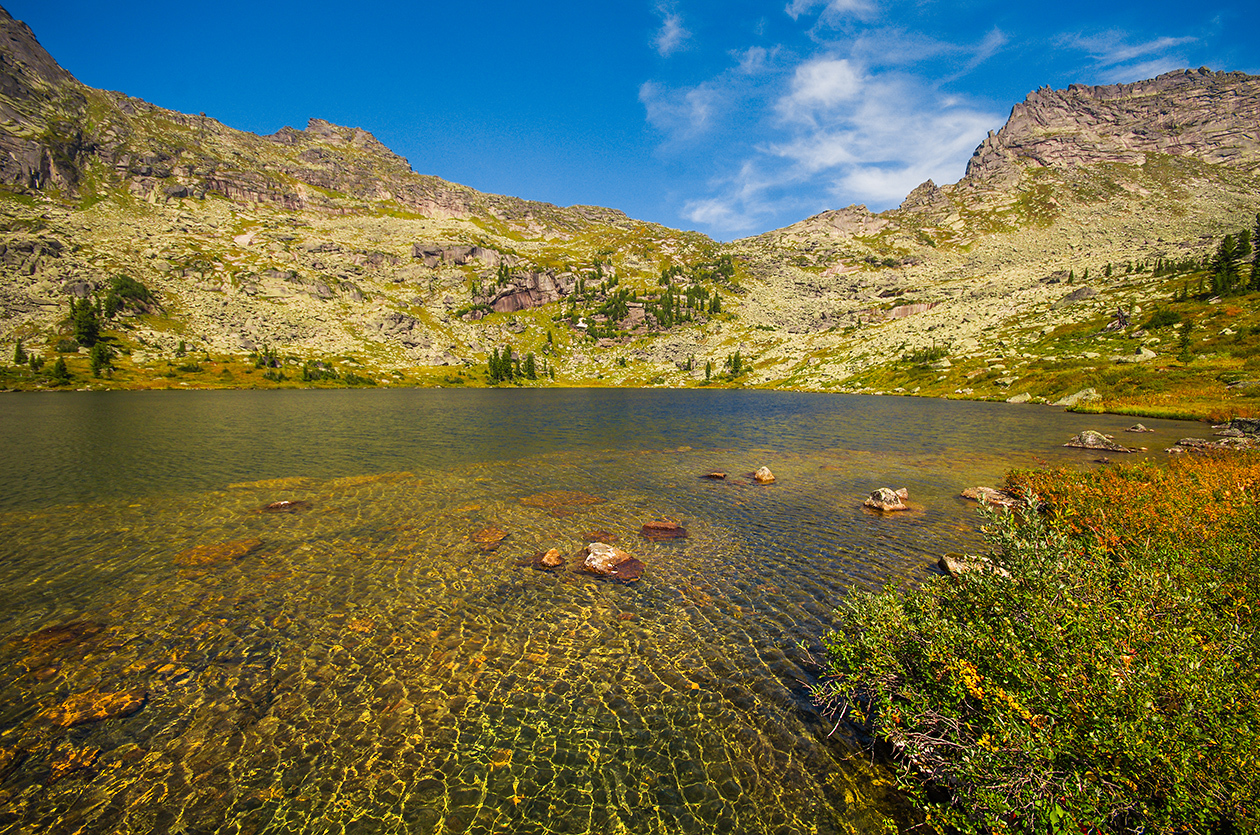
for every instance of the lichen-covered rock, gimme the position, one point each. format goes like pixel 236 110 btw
pixel 990 496
pixel 610 561
pixel 1089 439
pixel 887 499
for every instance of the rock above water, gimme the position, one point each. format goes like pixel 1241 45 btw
pixel 987 495
pixel 1089 439
pixel 887 499
pixel 1137 427
pixel 763 476
pixel 656 531
pixel 286 506
pixel 610 561
pixel 956 565
pixel 1235 444
pixel 715 476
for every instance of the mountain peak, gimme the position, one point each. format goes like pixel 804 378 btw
pixel 24 64
pixel 1199 113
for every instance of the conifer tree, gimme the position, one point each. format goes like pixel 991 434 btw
pixel 19 356
pixel 1255 256
pixel 60 371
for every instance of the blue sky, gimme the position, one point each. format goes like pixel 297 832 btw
pixel 730 117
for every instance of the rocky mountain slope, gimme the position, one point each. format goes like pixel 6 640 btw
pixel 322 246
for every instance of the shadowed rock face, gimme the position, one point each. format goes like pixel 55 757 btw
pixel 1198 113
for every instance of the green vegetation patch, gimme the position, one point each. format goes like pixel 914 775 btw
pixel 1097 674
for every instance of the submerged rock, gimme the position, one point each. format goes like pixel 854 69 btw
pixel 763 476
pixel 656 531
pixel 562 503
pixel 1089 439
pixel 886 499
pixel 218 552
pixel 715 476
pixel 488 539
pixel 71 760
pixel 96 706
pixel 600 536
pixel 610 561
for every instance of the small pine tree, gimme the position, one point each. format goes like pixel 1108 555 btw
pixel 86 324
pixel 531 372
pixel 1107 270
pixel 1085 275
pixel 60 372
pixel 19 355
pixel 100 358
pixel 708 370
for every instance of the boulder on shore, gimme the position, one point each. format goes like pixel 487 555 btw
pixel 987 495
pixel 1089 439
pixel 886 499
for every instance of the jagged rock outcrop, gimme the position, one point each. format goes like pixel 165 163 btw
pixel 1211 116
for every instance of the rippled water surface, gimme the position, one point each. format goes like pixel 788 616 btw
pixel 386 657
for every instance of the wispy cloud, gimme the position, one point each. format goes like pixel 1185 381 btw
pixel 1117 58
pixel 832 10
pixel 672 36
pixel 843 134
pixel 680 113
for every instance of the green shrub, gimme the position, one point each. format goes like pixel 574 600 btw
pixel 67 346
pixel 1107 684
pixel 1162 318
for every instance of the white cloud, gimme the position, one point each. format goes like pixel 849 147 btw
pixel 833 10
pixel 846 135
pixel 681 114
pixel 754 60
pixel 672 36
pixel 818 86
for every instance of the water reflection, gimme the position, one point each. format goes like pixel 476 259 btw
pixel 175 659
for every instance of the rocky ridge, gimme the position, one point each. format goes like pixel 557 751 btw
pixel 325 244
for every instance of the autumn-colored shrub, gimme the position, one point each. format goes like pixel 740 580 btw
pixel 1108 684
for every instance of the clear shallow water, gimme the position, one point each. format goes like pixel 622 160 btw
pixel 364 665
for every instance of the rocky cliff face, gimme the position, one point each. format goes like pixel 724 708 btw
pixel 1211 116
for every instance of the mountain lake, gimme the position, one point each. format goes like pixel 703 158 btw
pixel 380 651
